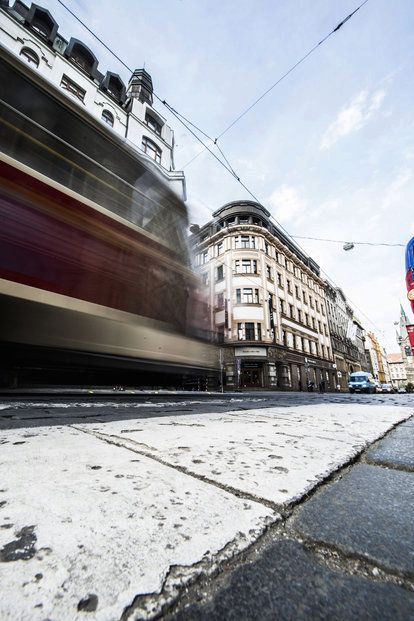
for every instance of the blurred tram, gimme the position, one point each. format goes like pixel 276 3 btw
pixel 409 271
pixel 94 262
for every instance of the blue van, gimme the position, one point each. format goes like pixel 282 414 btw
pixel 361 382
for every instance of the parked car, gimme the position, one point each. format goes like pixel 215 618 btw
pixel 387 388
pixel 402 390
pixel 361 382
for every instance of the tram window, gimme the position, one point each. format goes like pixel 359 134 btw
pixel 151 149
pixel 108 117
pixel 30 56
pixel 73 88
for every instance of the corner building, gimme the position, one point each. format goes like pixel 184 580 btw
pixel 267 302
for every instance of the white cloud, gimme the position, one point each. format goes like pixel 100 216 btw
pixel 354 116
pixel 287 204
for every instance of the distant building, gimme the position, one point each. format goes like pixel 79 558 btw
pixel 378 357
pixel 397 370
pixel 405 347
pixel 347 336
pixel 31 35
pixel 267 302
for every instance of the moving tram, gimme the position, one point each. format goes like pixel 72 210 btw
pixel 94 263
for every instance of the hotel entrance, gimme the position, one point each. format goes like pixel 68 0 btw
pixel 251 374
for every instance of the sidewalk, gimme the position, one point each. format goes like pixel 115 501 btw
pixel 118 520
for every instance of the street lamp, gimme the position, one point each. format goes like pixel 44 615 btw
pixel 348 246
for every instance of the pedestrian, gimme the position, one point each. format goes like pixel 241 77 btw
pixel 338 388
pixel 322 386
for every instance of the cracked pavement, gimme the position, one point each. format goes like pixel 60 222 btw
pixel 140 516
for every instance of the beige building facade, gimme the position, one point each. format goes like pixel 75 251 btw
pixel 267 303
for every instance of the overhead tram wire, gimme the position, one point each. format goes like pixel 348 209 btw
pixel 299 62
pixel 228 167
pixel 279 80
pixel 343 241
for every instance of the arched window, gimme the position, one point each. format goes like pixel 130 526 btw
pixel 108 117
pixel 30 56
pixel 151 149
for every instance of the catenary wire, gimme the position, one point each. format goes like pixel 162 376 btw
pixel 350 241
pixel 300 61
pixel 229 169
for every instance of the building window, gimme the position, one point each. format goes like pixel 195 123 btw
pixel 325 329
pixel 313 323
pixel 280 258
pixel 249 331
pixel 239 331
pixel 282 306
pixel 153 124
pixel 284 337
pixel 220 301
pixel 291 311
pixel 305 301
pixel 220 248
pixel 108 117
pixel 204 278
pixel 310 301
pixel 307 319
pixel 322 310
pixel 247 296
pixel 317 306
pixel 300 315
pixel 73 88
pixel 259 331
pixel 245 266
pixel 269 272
pixel 151 149
pixel 297 292
pixel 320 327
pixel 220 273
pixel 289 286
pixel 30 56
pixel 266 245
pixel 245 241
pixel 280 280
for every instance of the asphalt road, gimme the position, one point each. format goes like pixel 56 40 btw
pixel 101 405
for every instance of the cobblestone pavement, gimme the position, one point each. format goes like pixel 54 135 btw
pixel 244 506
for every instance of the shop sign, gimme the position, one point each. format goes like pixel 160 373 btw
pixel 254 352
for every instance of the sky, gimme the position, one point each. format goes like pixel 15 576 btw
pixel 329 151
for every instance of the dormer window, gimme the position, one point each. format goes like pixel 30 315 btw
pixel 108 117
pixel 151 149
pixel 153 124
pixel 113 85
pixel 30 56
pixel 41 21
pixel 82 56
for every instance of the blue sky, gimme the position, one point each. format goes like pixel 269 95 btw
pixel 329 151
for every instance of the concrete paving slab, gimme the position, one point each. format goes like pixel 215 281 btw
pixel 86 526
pixel 272 454
pixel 287 583
pixel 369 512
pixel 396 450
